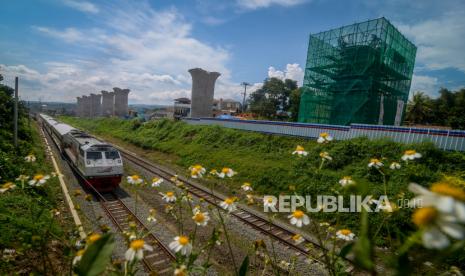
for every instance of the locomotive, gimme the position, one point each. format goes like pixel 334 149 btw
pixel 99 163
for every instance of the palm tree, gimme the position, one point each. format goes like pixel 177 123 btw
pixel 418 108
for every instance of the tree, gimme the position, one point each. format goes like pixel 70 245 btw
pixel 294 103
pixel 419 108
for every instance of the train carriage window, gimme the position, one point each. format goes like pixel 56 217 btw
pixel 111 155
pixel 94 155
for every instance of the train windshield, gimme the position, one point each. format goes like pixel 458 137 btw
pixel 111 154
pixel 94 155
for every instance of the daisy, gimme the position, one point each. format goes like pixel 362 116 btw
pixel 299 150
pixel 250 199
pixel 38 180
pixel 394 166
pixel 324 224
pixel 196 209
pixel 151 217
pixel 201 219
pixel 226 172
pixel 22 177
pixel 168 197
pixel 269 201
pixel 181 271
pixel 437 227
pixel 78 256
pixel 229 204
pixel 181 244
pixel 346 180
pixel 411 155
pixel 325 155
pixel 187 198
pixel 345 234
pixel 197 171
pixel 299 218
pixel 135 179
pixel 298 239
pixel 324 138
pixel 156 182
pixel 376 163
pixel 443 196
pixel 30 158
pixel 7 186
pixel 136 250
pixel 246 187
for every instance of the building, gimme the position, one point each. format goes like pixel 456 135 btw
pixel 360 73
pixel 182 108
pixel 226 107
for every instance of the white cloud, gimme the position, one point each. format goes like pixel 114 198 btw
pixel 292 71
pixel 131 46
pixel 256 4
pixel 440 41
pixel 83 6
pixel 426 84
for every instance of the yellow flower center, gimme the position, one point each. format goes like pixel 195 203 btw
pixel 345 232
pixel 135 177
pixel 324 134
pixel 229 200
pixel 225 170
pixel 296 237
pixel 183 240
pixel 298 214
pixel 94 237
pixel 170 194
pixel 347 178
pixel 80 252
pixel 299 148
pixel 155 179
pixel 374 160
pixel 7 185
pixel 448 190
pixel 424 216
pixel 199 217
pixel 38 177
pixel 410 152
pixel 246 184
pixel 269 200
pixel 137 245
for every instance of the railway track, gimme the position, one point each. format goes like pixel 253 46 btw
pixel 161 258
pixel 261 224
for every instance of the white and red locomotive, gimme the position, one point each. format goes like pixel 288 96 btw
pixel 96 161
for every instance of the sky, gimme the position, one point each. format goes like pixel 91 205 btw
pixel 61 49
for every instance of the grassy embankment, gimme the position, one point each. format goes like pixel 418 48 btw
pixel 266 162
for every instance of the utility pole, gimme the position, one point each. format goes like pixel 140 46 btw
pixel 15 115
pixel 245 84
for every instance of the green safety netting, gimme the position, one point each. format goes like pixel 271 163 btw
pixel 359 73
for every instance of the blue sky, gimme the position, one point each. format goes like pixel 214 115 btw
pixel 63 49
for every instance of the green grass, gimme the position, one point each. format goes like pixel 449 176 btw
pixel 266 161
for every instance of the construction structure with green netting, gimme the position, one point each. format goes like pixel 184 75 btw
pixel 359 73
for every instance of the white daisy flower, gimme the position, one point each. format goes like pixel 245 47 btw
pixel 181 244
pixel 345 234
pixel 78 256
pixel 324 224
pixel 324 138
pixel 298 239
pixel 7 186
pixel 246 187
pixel 197 171
pixel 325 155
pixel 136 250
pixel 443 196
pixel 299 218
pixel 269 201
pixel 181 271
pixel 30 158
pixel 168 197
pixel 156 182
pixel 226 172
pixel 437 227
pixel 187 198
pixel 284 265
pixel 376 163
pixel 135 179
pixel 196 209
pixel 201 219
pixel 300 151
pixel 250 199
pixel 38 180
pixel 151 217
pixel 394 166
pixel 229 204
pixel 346 180
pixel 411 155
pixel 22 177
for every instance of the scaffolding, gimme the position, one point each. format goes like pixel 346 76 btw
pixel 359 73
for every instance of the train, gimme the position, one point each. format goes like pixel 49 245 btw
pixel 99 163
